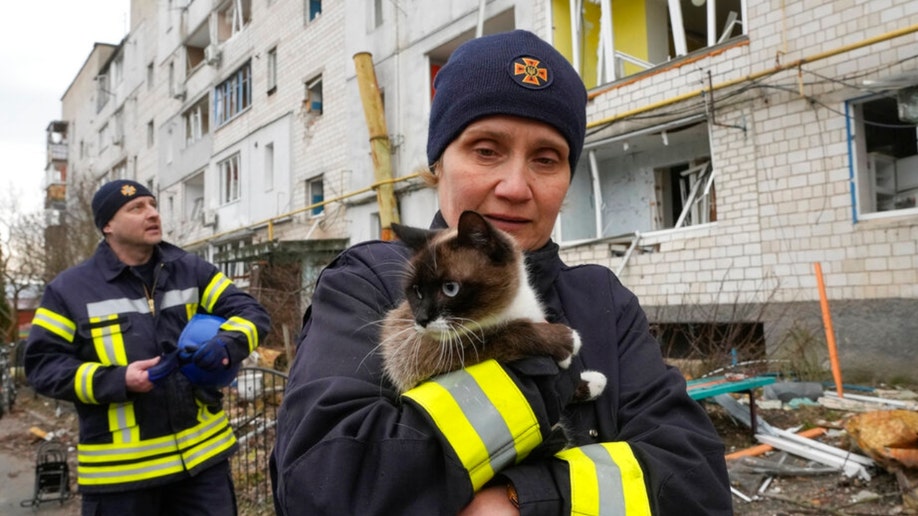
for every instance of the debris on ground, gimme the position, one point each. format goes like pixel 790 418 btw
pixel 807 455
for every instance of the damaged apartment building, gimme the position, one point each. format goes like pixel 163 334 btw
pixel 732 148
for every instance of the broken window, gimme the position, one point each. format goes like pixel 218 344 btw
pixel 272 70
pixel 193 207
pixel 885 155
pixel 313 100
pixel 234 16
pixel 610 39
pixel 315 193
pixel 233 95
pixel 230 181
pixel 102 91
pixel 196 46
pixel 649 180
pixel 196 121
pixel 312 9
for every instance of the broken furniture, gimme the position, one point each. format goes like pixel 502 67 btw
pixel 52 475
pixel 702 388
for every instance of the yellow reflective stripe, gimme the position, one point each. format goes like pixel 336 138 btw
pixel 212 293
pixel 93 475
pixel 448 417
pixel 211 448
pixel 245 327
pixel 606 479
pixel 82 382
pixel 108 341
pixel 511 405
pixel 122 423
pixel 482 415
pixel 120 452
pixel 55 323
pixel 98 464
pixel 190 310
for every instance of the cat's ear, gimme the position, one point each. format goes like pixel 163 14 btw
pixel 415 238
pixel 476 232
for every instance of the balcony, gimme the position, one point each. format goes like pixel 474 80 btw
pixel 57 152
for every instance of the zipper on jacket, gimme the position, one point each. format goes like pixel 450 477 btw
pixel 150 302
pixel 149 293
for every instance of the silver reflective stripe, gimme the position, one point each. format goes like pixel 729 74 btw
pixel 483 416
pixel 43 318
pixel 120 411
pixel 197 433
pixel 111 356
pixel 212 447
pixel 611 501
pixel 180 297
pixel 118 306
pixel 123 471
pixel 107 451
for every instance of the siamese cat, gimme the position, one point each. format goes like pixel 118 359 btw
pixel 468 299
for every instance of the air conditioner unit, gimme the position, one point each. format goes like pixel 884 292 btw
pixel 212 55
pixel 210 217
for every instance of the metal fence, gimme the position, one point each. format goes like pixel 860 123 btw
pixel 251 404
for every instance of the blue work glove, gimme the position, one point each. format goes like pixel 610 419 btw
pixel 167 364
pixel 210 356
pixel 555 385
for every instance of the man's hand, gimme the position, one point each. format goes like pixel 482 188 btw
pixel 136 378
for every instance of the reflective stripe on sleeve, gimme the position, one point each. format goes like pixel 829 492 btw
pixel 217 285
pixel 482 415
pixel 82 382
pixel 55 323
pixel 606 479
pixel 245 327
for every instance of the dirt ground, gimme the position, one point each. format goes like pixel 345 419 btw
pixel 18 452
pixel 825 493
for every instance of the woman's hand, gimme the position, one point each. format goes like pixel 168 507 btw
pixel 490 501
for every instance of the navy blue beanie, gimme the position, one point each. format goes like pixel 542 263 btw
pixel 112 196
pixel 512 73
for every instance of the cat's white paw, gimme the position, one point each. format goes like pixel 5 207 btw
pixel 596 382
pixel 575 337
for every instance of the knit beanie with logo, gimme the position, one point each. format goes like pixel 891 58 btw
pixel 511 73
pixel 112 196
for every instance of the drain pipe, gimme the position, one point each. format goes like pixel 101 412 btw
pixel 380 147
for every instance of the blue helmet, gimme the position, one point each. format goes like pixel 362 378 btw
pixel 200 329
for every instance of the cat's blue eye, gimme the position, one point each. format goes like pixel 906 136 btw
pixel 450 288
pixel 417 292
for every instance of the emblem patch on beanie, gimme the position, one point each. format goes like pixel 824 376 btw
pixel 128 190
pixel 529 72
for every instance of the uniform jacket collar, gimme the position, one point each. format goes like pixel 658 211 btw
pixel 111 266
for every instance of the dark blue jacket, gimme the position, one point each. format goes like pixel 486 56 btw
pixel 97 317
pixel 346 445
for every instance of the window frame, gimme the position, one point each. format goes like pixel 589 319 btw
pixel 233 96
pixel 878 143
pixel 229 171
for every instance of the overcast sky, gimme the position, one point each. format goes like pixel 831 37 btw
pixel 43 44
